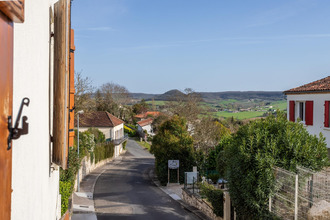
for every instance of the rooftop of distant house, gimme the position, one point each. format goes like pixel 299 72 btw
pixel 145 122
pixel 318 86
pixel 147 114
pixel 98 119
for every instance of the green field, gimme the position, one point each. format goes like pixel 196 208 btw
pixel 240 115
pixel 279 105
pixel 157 103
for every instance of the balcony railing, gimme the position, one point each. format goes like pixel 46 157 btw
pixel 119 140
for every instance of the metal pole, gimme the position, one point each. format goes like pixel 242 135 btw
pixel 78 183
pixel 178 175
pixel 168 176
pixel 296 199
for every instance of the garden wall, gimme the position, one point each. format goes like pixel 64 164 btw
pixel 192 200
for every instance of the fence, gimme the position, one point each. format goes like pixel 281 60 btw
pixel 295 193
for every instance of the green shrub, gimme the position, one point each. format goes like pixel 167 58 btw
pixel 124 145
pixel 99 137
pixel 214 196
pixel 129 131
pixel 65 191
pixel 214 177
pixel 251 153
pixel 104 151
pixel 173 142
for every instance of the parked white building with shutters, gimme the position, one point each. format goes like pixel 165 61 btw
pixel 309 104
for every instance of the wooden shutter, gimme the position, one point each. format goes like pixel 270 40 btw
pixel 292 111
pixel 61 82
pixel 9 12
pixel 326 114
pixel 309 112
pixel 72 90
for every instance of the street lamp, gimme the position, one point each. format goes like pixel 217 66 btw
pixel 78 113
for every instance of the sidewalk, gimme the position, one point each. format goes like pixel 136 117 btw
pixel 82 202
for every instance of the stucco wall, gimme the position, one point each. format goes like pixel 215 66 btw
pixel 119 134
pixel 35 185
pixel 318 113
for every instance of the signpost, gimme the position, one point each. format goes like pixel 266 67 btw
pixel 173 164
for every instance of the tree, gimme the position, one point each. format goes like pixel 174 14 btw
pixel 158 121
pixel 112 98
pixel 173 142
pixel 250 154
pixel 207 133
pixel 186 105
pixel 83 93
pixel 140 107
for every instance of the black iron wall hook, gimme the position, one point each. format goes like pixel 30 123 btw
pixel 15 132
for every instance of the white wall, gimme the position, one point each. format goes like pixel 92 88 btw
pixel 148 128
pixel 318 113
pixel 120 129
pixel 35 185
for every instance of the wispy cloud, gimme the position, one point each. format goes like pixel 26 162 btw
pixel 236 40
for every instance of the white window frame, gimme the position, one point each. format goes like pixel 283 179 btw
pixel 298 111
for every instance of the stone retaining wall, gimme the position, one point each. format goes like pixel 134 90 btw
pixel 192 200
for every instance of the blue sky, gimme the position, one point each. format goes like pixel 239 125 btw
pixel 153 46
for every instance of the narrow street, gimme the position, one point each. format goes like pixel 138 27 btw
pixel 125 191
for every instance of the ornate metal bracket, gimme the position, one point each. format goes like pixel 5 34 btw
pixel 15 132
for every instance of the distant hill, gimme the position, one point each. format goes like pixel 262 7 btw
pixel 244 95
pixel 238 95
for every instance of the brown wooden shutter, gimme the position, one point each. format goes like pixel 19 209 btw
pixel 61 82
pixel 292 111
pixel 326 114
pixel 9 12
pixel 72 90
pixel 309 112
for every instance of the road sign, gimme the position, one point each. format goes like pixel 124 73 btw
pixel 173 164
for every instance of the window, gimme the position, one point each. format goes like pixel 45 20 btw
pixel 301 111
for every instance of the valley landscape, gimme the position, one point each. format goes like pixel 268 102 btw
pixel 236 104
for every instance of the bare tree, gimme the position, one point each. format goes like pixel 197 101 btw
pixel 186 105
pixel 113 98
pixel 83 93
pixel 207 133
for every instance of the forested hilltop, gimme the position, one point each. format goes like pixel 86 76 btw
pixel 207 96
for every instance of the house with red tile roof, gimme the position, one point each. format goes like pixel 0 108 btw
pixel 111 126
pixel 146 115
pixel 310 103
pixel 145 125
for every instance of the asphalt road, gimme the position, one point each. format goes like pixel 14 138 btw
pixel 125 191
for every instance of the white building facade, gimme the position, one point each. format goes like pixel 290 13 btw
pixel 31 167
pixel 309 104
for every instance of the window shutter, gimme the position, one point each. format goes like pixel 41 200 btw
pixel 292 111
pixel 71 91
pixel 326 114
pixel 61 76
pixel 309 113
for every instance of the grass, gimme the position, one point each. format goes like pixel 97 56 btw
pixel 157 103
pixel 144 144
pixel 279 105
pixel 240 115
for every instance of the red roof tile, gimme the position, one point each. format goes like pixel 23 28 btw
pixel 98 119
pixel 322 85
pixel 145 122
pixel 146 114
